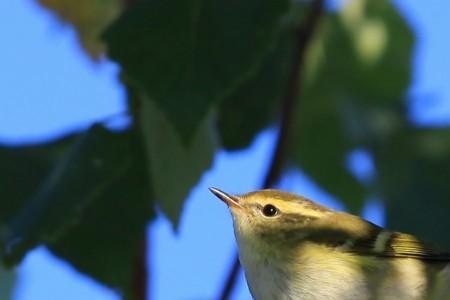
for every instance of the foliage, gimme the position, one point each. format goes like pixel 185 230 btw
pixel 90 17
pixel 205 50
pixel 346 78
pixel 7 283
pixel 203 74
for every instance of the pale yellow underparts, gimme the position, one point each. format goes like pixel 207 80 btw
pixel 308 269
pixel 320 273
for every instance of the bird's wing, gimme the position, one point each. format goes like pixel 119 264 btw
pixel 352 234
pixel 396 244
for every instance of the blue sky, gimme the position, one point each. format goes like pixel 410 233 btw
pixel 48 86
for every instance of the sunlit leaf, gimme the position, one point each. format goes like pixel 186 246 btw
pixel 174 167
pixel 89 18
pixel 187 55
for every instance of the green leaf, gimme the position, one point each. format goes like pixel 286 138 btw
pixel 188 54
pixel 7 281
pixel 91 210
pixel 413 168
pixel 106 242
pixel 23 170
pixel 88 17
pixel 253 105
pixel 95 161
pixel 174 167
pixel 359 63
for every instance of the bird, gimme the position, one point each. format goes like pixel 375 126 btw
pixel 292 248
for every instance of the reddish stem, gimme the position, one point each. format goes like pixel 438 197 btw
pixel 140 274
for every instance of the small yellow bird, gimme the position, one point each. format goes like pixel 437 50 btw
pixel 294 249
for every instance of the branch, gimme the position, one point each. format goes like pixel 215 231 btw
pixel 140 274
pixel 303 37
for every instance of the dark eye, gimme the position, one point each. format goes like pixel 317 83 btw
pixel 269 210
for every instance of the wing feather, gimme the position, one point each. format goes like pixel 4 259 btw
pixel 353 234
pixel 396 244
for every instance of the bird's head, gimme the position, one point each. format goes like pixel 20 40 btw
pixel 272 219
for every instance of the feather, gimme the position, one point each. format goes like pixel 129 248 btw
pixel 397 244
pixel 353 234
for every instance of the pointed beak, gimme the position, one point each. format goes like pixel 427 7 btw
pixel 229 200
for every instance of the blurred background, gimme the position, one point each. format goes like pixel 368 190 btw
pixel 50 87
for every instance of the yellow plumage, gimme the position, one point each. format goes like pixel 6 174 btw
pixel 293 248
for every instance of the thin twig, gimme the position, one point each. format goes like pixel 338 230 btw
pixel 140 275
pixel 140 271
pixel 303 37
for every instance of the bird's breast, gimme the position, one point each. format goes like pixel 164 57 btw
pixel 318 273
pixel 272 279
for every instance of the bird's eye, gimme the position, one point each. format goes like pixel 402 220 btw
pixel 269 210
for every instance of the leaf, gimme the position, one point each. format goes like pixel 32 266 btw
pixel 188 55
pixel 174 167
pixel 89 18
pixel 347 74
pixel 7 281
pixel 23 170
pixel 252 106
pixel 91 210
pixel 414 172
pixel 95 161
pixel 106 241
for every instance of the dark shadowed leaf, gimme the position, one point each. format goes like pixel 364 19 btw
pixel 88 17
pixel 23 169
pixel 187 55
pixel 92 208
pixel 414 173
pixel 174 167
pixel 95 161
pixel 105 243
pixel 359 62
pixel 7 280
pixel 253 105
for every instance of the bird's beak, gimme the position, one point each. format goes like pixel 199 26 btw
pixel 231 201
